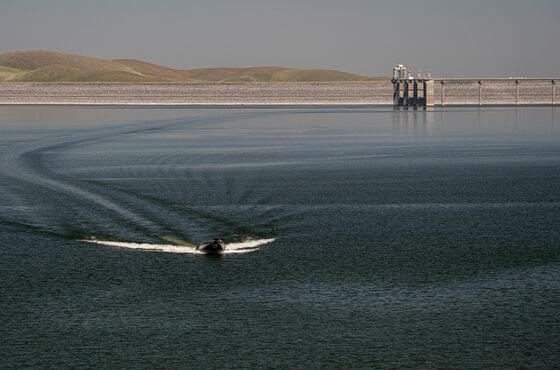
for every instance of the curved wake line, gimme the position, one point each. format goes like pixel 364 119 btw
pixel 26 164
pixel 232 248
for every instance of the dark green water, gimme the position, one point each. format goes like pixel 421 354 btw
pixel 359 238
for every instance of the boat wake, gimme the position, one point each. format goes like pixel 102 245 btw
pixel 247 246
pixel 47 190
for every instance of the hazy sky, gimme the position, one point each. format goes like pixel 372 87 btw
pixel 455 37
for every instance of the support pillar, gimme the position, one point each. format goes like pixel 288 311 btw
pixel 516 92
pixel 553 92
pixel 396 92
pixel 429 92
pixel 405 94
pixel 442 93
pixel 480 93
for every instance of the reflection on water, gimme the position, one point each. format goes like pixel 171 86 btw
pixel 420 122
pixel 415 123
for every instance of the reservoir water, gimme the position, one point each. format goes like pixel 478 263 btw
pixel 358 237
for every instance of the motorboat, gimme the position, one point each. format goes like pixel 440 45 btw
pixel 214 246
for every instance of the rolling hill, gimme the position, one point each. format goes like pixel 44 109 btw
pixel 47 66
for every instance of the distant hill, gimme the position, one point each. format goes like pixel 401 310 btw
pixel 47 66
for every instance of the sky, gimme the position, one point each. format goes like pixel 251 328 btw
pixel 458 38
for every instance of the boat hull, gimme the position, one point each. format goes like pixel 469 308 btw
pixel 212 247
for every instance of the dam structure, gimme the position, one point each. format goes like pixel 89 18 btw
pixel 417 91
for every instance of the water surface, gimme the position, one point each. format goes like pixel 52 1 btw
pixel 360 237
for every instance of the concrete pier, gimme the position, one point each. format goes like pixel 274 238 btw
pixel 413 92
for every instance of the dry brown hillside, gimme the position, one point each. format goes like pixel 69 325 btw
pixel 47 66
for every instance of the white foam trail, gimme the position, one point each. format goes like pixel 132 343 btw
pixel 233 248
pixel 247 246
